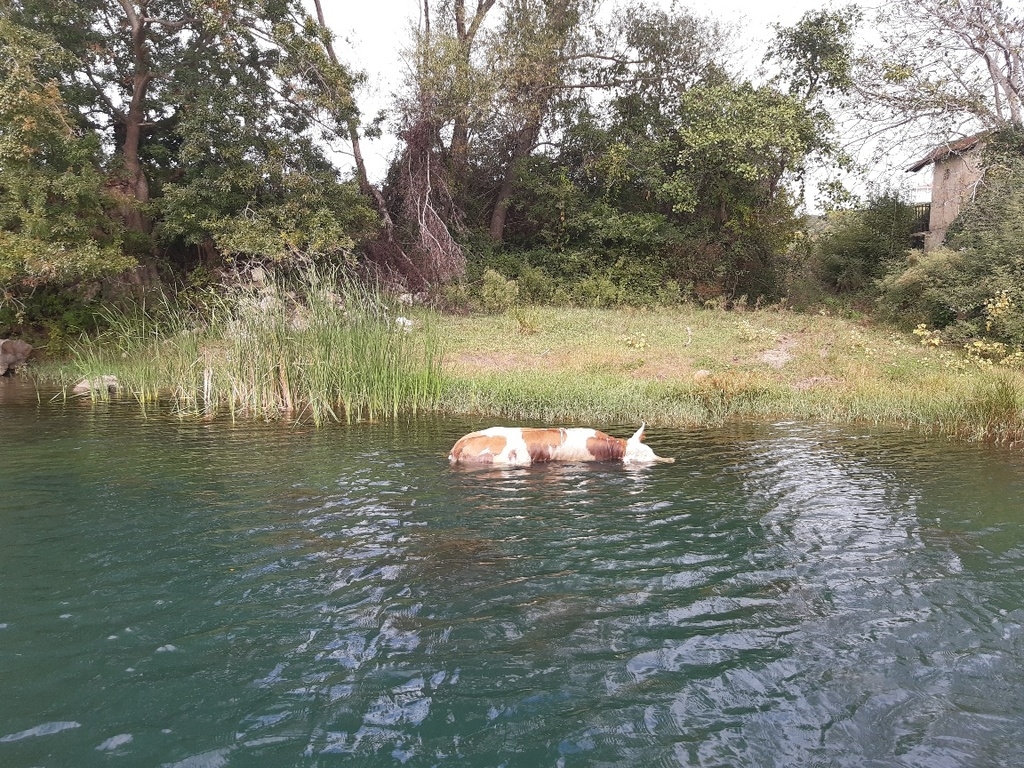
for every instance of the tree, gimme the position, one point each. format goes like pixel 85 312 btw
pixel 54 205
pixel 942 67
pixel 736 147
pixel 242 172
pixel 467 30
pixel 339 84
pixel 680 171
pixel 121 49
pixel 534 52
pixel 427 187
pixel 817 53
pixel 210 117
pixel 815 59
pixel 736 144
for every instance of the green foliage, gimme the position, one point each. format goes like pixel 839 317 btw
pixel 736 148
pixel 696 194
pixel 975 287
pixel 51 317
pixel 817 52
pixel 535 284
pixel 226 107
pixel 288 218
pixel 736 144
pixel 969 293
pixel 497 293
pixel 994 215
pixel 919 292
pixel 859 246
pixel 55 223
pixel 665 168
pixel 605 278
pixel 244 171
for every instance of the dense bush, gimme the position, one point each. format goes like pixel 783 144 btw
pixel 51 316
pixel 975 287
pixel 498 279
pixel 919 290
pixel 858 247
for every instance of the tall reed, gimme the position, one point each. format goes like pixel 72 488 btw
pixel 321 346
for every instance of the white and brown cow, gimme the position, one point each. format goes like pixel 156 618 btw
pixel 521 446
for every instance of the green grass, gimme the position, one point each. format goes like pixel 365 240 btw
pixel 692 366
pixel 319 349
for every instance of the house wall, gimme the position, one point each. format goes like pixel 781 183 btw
pixel 954 180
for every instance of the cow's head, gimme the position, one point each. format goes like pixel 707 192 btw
pixel 638 453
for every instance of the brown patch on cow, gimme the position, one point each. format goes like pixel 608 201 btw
pixel 539 453
pixel 542 442
pixel 477 448
pixel 605 447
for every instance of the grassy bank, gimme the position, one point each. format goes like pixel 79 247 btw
pixel 269 351
pixel 695 366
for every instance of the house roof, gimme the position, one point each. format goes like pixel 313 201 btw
pixel 941 152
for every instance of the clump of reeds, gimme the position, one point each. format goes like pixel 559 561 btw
pixel 320 346
pixel 995 410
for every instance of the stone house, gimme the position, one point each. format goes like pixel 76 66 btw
pixel 956 172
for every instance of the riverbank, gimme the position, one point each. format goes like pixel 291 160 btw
pixel 683 366
pixel 689 366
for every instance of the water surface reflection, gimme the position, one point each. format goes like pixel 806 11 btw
pixel 208 595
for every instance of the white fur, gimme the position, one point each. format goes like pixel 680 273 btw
pixel 574 447
pixel 637 452
pixel 515 453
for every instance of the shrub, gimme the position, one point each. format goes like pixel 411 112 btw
pixel 597 291
pixel 920 290
pixel 859 246
pixel 497 293
pixel 592 279
pixel 52 316
pixel 535 284
pixel 974 287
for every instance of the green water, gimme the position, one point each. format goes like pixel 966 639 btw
pixel 200 595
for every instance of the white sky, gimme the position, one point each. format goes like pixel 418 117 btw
pixel 371 34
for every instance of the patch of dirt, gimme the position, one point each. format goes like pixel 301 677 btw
pixel 473 362
pixel 780 355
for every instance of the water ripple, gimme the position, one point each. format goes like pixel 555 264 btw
pixel 782 595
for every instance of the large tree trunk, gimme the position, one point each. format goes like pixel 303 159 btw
pixel 526 139
pixel 465 32
pixel 368 189
pixel 540 78
pixel 134 119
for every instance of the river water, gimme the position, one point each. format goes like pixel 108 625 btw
pixel 199 595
